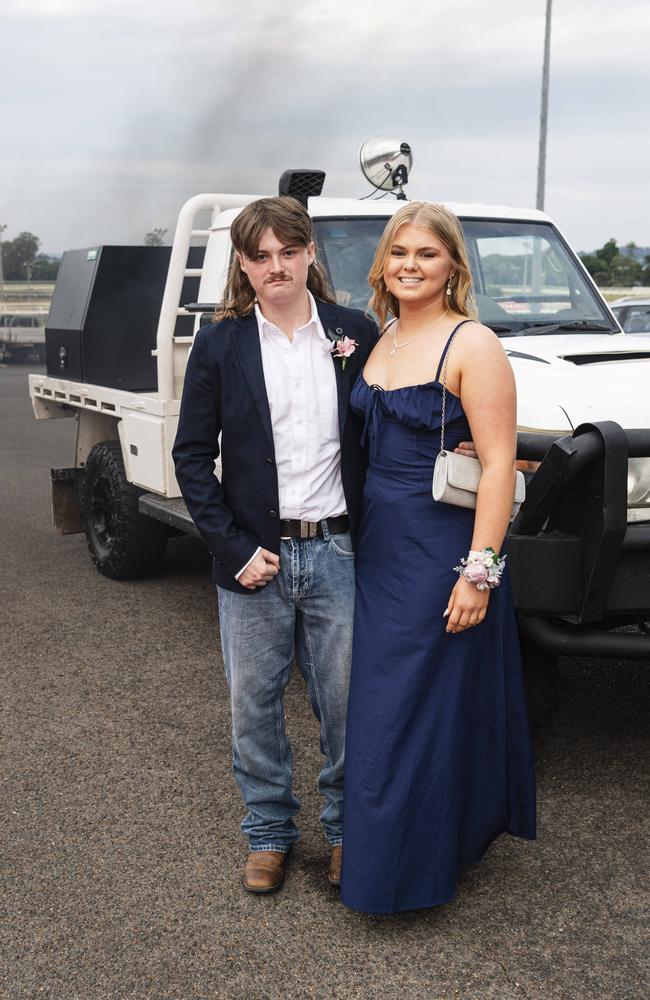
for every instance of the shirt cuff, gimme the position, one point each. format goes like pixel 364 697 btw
pixel 255 553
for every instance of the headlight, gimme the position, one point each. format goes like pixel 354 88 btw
pixel 638 489
pixel 638 482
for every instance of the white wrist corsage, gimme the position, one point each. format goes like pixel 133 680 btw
pixel 483 568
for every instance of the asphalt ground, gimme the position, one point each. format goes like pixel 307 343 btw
pixel 120 850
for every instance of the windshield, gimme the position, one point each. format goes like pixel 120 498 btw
pixel 522 272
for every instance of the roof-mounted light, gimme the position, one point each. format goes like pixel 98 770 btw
pixel 386 163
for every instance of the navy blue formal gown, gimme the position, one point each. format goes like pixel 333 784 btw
pixel 438 753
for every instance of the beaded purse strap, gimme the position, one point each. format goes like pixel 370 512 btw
pixel 444 383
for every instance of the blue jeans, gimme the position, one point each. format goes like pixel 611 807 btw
pixel 305 614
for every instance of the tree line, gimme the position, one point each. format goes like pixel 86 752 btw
pixel 22 261
pixel 611 267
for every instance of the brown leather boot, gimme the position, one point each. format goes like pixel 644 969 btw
pixel 264 871
pixel 334 874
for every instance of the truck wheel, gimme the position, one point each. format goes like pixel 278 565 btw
pixel 541 677
pixel 123 543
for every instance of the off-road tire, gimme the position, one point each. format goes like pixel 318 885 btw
pixel 123 543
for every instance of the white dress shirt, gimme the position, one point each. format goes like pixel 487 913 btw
pixel 301 389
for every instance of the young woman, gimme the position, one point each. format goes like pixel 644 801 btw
pixel 438 756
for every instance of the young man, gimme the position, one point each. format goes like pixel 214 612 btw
pixel 281 524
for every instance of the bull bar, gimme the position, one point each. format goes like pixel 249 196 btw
pixel 578 569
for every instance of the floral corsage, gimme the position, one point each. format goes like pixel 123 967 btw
pixel 341 347
pixel 483 568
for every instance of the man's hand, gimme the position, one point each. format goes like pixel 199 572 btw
pixel 260 570
pixel 466 448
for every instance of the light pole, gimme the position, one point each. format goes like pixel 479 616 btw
pixel 543 120
pixel 2 275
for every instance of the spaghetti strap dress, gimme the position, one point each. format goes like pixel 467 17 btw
pixel 438 752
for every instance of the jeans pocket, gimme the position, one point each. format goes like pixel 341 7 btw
pixel 342 544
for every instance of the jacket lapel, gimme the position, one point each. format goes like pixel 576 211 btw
pixel 249 352
pixel 330 317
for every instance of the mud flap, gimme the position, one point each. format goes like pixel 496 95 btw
pixel 66 507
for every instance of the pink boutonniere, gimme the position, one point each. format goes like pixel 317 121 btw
pixel 342 347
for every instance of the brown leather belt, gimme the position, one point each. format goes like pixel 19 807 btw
pixel 314 529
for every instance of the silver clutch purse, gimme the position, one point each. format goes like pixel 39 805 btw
pixel 456 477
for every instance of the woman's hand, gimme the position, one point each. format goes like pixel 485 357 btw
pixel 467 448
pixel 467 606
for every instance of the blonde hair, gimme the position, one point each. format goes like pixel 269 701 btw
pixel 444 225
pixel 292 225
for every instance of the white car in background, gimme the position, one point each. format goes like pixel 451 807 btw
pixel 633 314
pixel 22 335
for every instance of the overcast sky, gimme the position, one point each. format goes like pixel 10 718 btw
pixel 116 111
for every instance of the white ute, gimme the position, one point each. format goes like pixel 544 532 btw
pixel 572 362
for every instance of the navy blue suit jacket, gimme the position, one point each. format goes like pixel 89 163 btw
pixel 224 392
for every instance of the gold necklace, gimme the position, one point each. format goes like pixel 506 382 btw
pixel 398 347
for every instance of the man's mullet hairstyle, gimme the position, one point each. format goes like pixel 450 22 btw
pixel 292 226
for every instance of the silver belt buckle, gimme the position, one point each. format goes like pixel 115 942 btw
pixel 308 529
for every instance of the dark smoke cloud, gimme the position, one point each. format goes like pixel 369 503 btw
pixel 129 109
